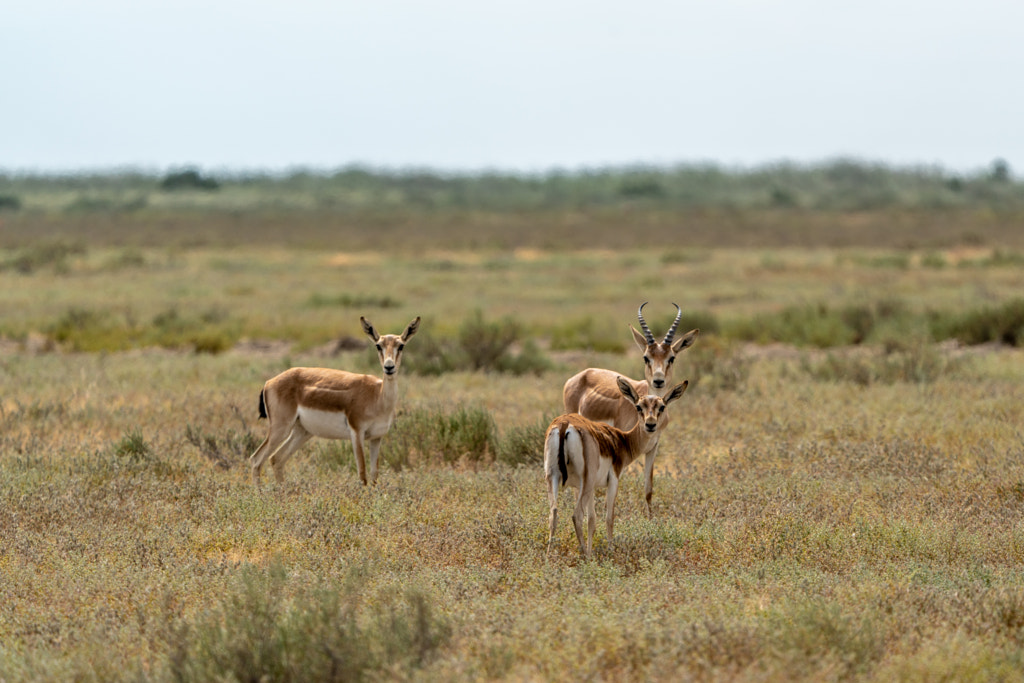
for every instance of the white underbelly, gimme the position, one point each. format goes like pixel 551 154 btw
pixel 323 423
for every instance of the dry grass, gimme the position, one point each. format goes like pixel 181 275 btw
pixel 808 525
pixel 804 529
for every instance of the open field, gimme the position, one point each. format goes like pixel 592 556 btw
pixel 847 505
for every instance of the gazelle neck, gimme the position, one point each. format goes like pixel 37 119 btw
pixel 639 440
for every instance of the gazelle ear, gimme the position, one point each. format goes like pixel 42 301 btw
pixel 368 328
pixel 685 341
pixel 677 391
pixel 626 387
pixel 640 340
pixel 411 329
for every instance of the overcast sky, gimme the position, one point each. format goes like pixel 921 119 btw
pixel 529 85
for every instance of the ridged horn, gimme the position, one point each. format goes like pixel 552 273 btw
pixel 672 330
pixel 643 324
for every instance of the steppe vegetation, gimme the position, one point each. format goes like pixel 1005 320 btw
pixel 839 495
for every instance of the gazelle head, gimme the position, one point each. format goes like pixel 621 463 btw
pixel 651 407
pixel 390 346
pixel 660 355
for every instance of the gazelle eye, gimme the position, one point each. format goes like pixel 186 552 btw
pixel 400 347
pixel 661 410
pixel 639 409
pixel 671 360
pixel 379 347
pixel 647 360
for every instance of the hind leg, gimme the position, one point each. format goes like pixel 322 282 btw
pixel 553 505
pixel 275 438
pixel 294 442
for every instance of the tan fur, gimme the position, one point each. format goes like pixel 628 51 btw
pixel 593 392
pixel 599 457
pixel 301 403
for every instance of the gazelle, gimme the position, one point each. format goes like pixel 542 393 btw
pixel 301 403
pixel 593 393
pixel 588 455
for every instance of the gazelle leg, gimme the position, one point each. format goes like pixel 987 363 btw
pixel 609 514
pixel 553 479
pixel 279 432
pixel 374 445
pixel 294 442
pixel 649 479
pixel 357 448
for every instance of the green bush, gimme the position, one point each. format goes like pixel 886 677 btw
pixel 435 437
pixel 714 365
pixel 133 446
pixel 585 333
pixel 1004 324
pixel 188 179
pixel 51 254
pixel 353 301
pixel 9 202
pixel 486 343
pixel 480 345
pixel 921 363
pixel 524 444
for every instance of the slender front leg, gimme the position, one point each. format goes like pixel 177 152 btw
pixel 649 478
pixel 374 453
pixel 357 448
pixel 609 513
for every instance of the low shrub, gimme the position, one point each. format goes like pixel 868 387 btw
pixel 523 444
pixel 435 437
pixel 586 333
pixel 133 446
pixel 353 301
pixel 1004 324
pixel 226 450
pixel 715 365
pixel 188 179
pixel 45 255
pixel 920 363
pixel 480 345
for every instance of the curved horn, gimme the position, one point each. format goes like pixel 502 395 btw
pixel 672 330
pixel 643 324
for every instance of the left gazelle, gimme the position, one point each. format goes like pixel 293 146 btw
pixel 301 403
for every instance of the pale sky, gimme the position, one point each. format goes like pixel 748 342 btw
pixel 467 85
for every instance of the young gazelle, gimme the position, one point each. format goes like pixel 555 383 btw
pixel 593 393
pixel 301 403
pixel 588 455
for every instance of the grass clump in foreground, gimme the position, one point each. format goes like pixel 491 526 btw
pixel 272 626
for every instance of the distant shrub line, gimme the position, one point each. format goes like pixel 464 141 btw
pixel 506 346
pixel 838 184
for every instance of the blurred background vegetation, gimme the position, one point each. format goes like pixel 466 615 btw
pixel 835 203
pixel 841 253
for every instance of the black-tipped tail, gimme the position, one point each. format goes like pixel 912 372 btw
pixel 561 452
pixel 263 406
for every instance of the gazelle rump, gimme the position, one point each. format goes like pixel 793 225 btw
pixel 588 455
pixel 594 394
pixel 301 403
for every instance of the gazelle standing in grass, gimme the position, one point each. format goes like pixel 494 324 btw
pixel 588 455
pixel 301 403
pixel 594 394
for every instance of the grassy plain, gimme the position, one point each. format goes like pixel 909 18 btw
pixel 810 524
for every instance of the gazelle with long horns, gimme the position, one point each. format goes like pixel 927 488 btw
pixel 589 455
pixel 594 393
pixel 301 403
